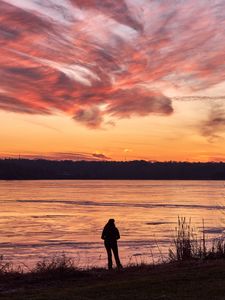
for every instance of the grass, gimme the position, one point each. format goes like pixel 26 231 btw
pixel 195 270
pixel 188 245
pixel 186 280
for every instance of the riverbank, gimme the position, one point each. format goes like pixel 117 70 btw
pixel 184 280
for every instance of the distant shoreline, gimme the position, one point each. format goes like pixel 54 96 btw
pixel 40 169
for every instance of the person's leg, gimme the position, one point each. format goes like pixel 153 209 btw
pixel 109 254
pixel 116 255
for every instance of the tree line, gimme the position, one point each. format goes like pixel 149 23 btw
pixel 19 169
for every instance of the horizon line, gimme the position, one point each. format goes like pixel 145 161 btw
pixel 108 161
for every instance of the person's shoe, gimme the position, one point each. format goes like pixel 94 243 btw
pixel 119 267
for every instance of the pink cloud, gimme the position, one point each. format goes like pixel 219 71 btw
pixel 96 60
pixel 144 102
pixel 90 116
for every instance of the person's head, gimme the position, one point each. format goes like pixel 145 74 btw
pixel 111 222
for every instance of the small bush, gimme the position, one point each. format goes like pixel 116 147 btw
pixel 56 265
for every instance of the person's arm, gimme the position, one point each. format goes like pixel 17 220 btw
pixel 103 234
pixel 117 234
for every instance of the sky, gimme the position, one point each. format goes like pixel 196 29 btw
pixel 113 80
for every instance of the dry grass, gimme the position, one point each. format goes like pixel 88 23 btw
pixel 188 245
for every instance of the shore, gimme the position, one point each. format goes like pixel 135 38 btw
pixel 185 280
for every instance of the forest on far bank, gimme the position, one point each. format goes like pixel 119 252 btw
pixel 25 169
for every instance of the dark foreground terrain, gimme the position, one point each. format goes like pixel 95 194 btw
pixel 185 280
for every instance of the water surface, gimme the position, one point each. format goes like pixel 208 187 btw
pixel 43 218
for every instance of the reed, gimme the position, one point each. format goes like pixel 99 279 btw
pixel 188 245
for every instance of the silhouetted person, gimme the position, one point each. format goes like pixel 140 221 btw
pixel 110 235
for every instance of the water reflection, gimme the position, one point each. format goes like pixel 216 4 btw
pixel 46 217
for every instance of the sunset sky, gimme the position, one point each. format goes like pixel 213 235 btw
pixel 113 79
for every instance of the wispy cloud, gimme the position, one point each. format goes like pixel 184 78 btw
pixel 96 60
pixel 214 126
pixel 59 156
pixel 212 122
pixel 101 156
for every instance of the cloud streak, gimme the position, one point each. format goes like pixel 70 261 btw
pixel 101 60
pixel 214 126
pixel 76 156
